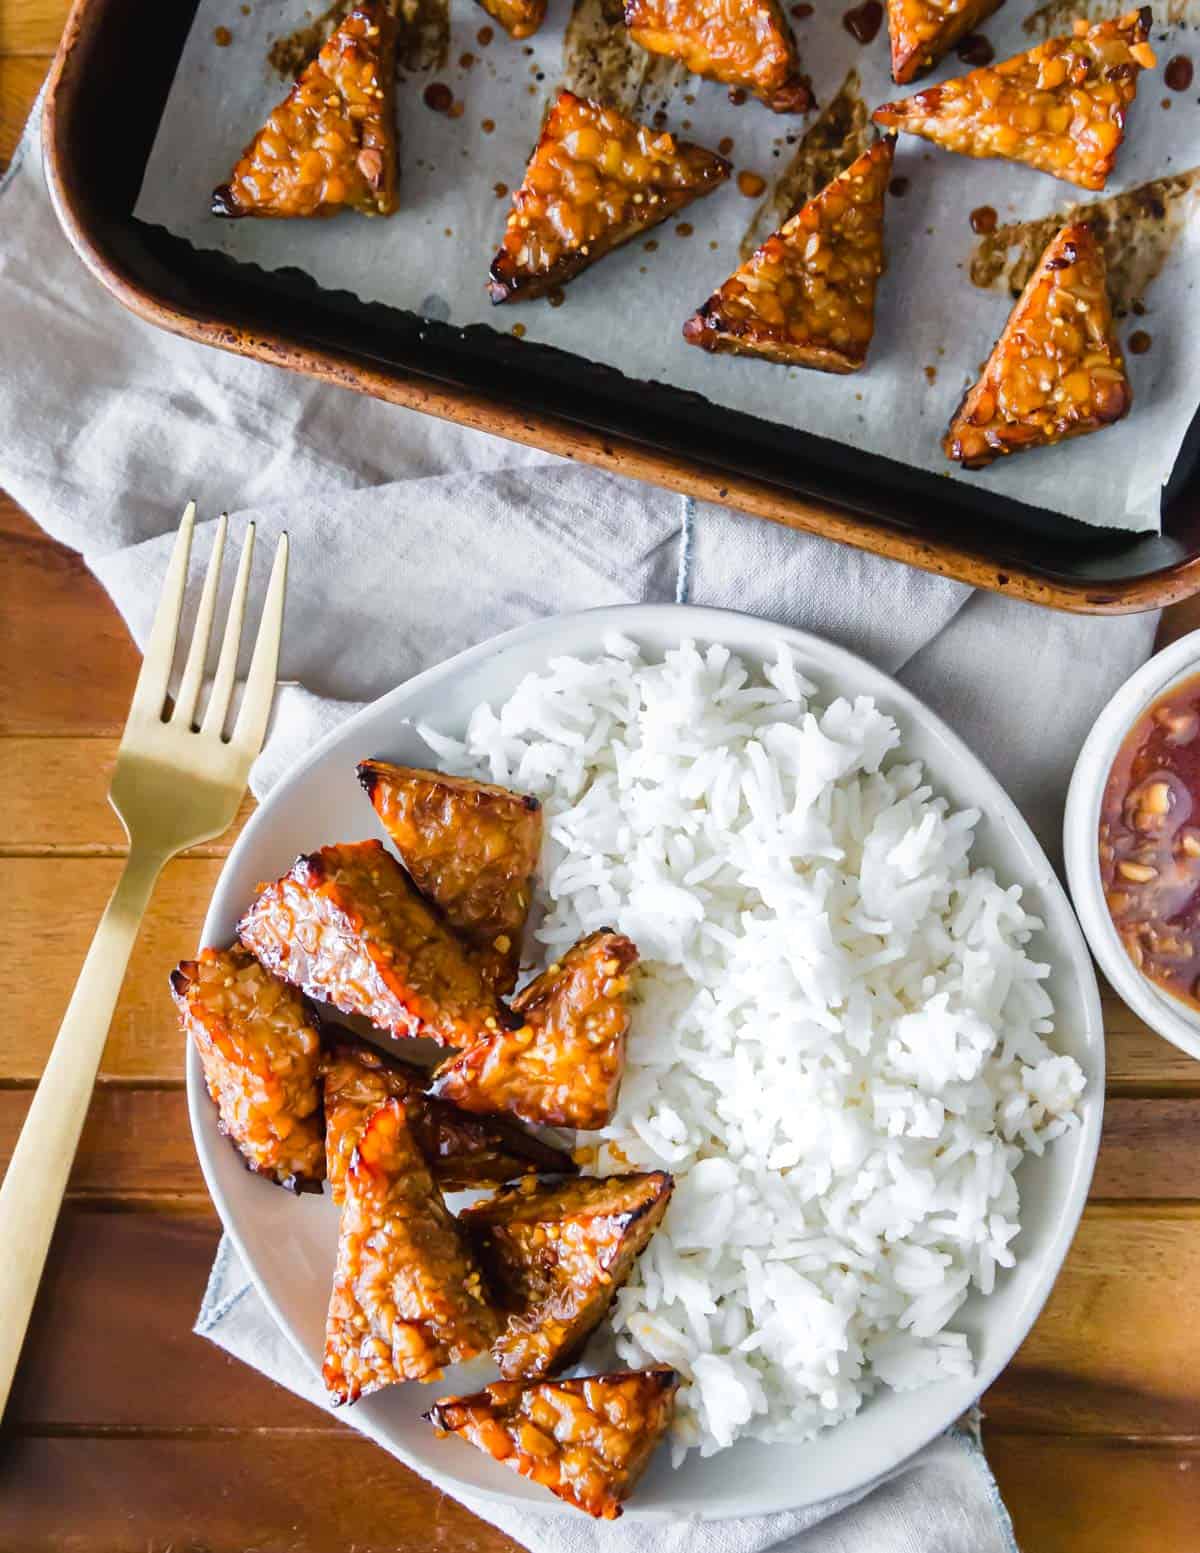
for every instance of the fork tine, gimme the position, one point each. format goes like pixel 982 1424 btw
pixel 150 693
pixel 193 672
pixel 260 682
pixel 218 701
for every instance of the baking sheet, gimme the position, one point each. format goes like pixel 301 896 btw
pixel 941 304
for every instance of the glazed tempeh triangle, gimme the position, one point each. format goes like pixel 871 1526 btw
pixel 347 924
pixel 586 1440
pixel 331 143
pixel 595 180
pixel 471 849
pixel 807 296
pixel 743 44
pixel 463 1151
pixel 407 1295
pixel 1056 371
pixel 1059 107
pixel 563 1066
pixel 922 31
pixel 555 1254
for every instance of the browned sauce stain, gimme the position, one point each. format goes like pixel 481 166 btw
pixel 1139 342
pixel 449 232
pixel 684 229
pixel 737 96
pixel 556 297
pixel 438 96
pixel 599 60
pixel 1178 73
pixel 244 9
pixel 840 132
pixel 1136 230
pixel 975 50
pixel 466 60
pixel 725 146
pixel 519 331
pixel 983 220
pixel 802 12
pixel 750 184
pixel 500 189
pixel 423 38
pixel 288 55
pixel 651 246
pixel 931 374
pixel 1057 15
pixel 1166 102
pixel 455 110
pixel 222 37
pixel 484 36
pixel 863 21
pixel 899 187
pixel 487 126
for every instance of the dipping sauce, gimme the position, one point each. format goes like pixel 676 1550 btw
pixel 1150 842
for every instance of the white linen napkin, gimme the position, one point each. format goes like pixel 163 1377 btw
pixel 412 538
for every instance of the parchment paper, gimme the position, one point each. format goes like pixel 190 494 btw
pixel 934 325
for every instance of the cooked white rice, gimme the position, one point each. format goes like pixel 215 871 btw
pixel 841 1044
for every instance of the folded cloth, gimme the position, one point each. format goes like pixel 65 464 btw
pixel 412 538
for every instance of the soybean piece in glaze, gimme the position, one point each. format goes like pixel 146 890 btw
pixel 1056 371
pixel 744 44
pixel 331 144
pixel 519 18
pixel 922 31
pixel 260 1051
pixel 407 1296
pixel 562 1067
pixel 1059 107
pixel 806 298
pixel 471 849
pixel 587 1441
pixel 463 1151
pixel 347 925
pixel 555 1254
pixel 595 180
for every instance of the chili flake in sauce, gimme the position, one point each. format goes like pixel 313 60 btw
pixel 1150 842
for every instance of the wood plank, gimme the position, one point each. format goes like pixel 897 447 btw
pixel 1117 1348
pixel 1178 621
pixel 1093 1496
pixel 1149 1149
pixel 272 1493
pixel 52 907
pixel 20 80
pixel 70 663
pixel 136 1143
pixel 32 768
pixel 1139 1061
pixel 31 26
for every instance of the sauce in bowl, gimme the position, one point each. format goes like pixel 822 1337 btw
pixel 1150 842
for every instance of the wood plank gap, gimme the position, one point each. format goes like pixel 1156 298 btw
pixel 105 1081
pixel 1143 1208
pixel 144 1200
pixel 40 1431
pixel 1136 1442
pixel 1126 1089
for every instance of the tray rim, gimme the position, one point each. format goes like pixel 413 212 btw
pixel 614 452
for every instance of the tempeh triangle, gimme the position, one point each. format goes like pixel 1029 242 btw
pixel 744 44
pixel 1059 107
pixel 595 180
pixel 331 143
pixel 806 298
pixel 555 1254
pixel 1056 371
pixel 922 31
pixel 586 1440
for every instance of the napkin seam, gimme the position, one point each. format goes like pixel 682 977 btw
pixel 683 584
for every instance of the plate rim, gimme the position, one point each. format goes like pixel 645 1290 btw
pixel 709 624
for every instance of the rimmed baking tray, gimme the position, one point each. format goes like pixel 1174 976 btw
pixel 110 81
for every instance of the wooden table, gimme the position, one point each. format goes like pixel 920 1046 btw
pixel 125 1432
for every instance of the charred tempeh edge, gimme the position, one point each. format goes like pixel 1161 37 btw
pixel 471 848
pixel 806 298
pixel 331 143
pixel 595 180
pixel 554 1255
pixel 743 44
pixel 587 1440
pixel 519 18
pixel 260 1051
pixel 1056 371
pixel 922 31
pixel 407 1296
pixel 1059 107
pixel 347 925
pixel 562 1067
pixel 462 1150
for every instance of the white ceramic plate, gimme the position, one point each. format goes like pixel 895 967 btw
pixel 1169 1017
pixel 288 1245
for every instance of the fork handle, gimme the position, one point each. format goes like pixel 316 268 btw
pixel 41 1163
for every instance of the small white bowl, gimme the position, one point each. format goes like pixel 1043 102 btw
pixel 1167 1016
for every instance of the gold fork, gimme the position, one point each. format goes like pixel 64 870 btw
pixel 177 782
